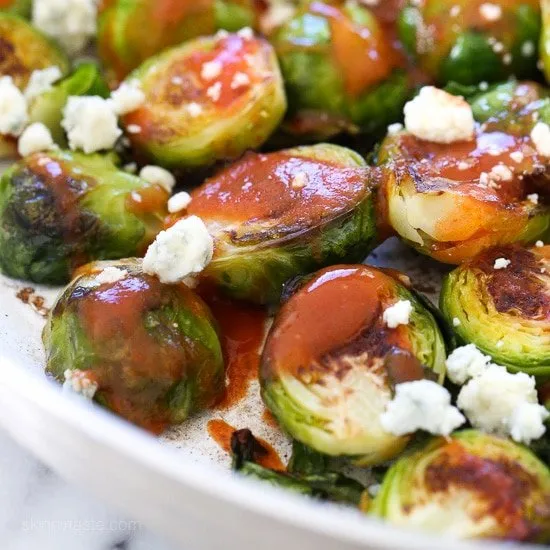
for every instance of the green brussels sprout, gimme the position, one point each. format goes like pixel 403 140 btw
pixel 131 31
pixel 48 106
pixel 209 99
pixel 151 350
pixel 470 41
pixel 275 216
pixel 345 52
pixel 59 210
pixel 504 312
pixel 471 485
pixel 22 8
pixel 544 47
pixel 331 361
pixel 450 201
pixel 25 49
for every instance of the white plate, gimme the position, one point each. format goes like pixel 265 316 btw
pixel 181 485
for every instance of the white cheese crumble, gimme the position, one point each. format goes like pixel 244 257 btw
pixel 528 48
pixel 490 12
pixel 299 181
pixel 466 362
pixel 501 263
pixel 133 129
pixel 540 135
pixel 127 98
pixel 239 79
pixel 159 176
pixel 35 138
pixel 211 70
pixel 456 322
pixel 527 422
pixel 71 22
pixel 395 128
pixel 90 123
pixel 194 109
pixel 398 314
pixel 500 173
pixel 41 81
pixel 13 108
pixel 111 275
pixel 184 249
pixel 539 244
pixel 434 115
pixel 214 92
pixel 76 381
pixel 533 197
pixel 421 405
pixel 516 156
pixel 180 201
pixel 247 33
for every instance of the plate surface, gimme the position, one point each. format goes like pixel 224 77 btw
pixel 180 485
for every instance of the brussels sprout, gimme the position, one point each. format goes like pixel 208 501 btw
pixel 48 107
pixel 544 46
pixel 504 312
pixel 25 49
pixel 345 52
pixel 208 99
pixel 59 210
pixel 152 349
pixel 470 485
pixel 450 201
pixel 131 31
pixel 469 41
pixel 284 214
pixel 330 361
pixel 17 7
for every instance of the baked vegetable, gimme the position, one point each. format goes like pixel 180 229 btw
pixel 131 31
pixel 332 357
pixel 472 485
pixel 284 214
pixel 340 70
pixel 207 100
pixel 470 41
pixel 151 350
pixel 59 210
pixel 544 44
pixel 450 201
pixel 505 312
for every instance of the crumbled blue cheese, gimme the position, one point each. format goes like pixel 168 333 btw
pixel 35 138
pixel 41 81
pixel 127 98
pixel 180 201
pixel 111 275
pixel 533 197
pixel 501 263
pixel 466 362
pixel 421 405
pixel 157 175
pixel 76 381
pixel 540 135
pixel 490 12
pixel 90 123
pixel 398 314
pixel 184 249
pixel 211 70
pixel 13 108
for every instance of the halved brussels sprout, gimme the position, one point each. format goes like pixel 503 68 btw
pixel 278 215
pixel 471 485
pixel 331 360
pixel 59 210
pixel 48 106
pixel 131 31
pixel 25 49
pixel 544 45
pixel 18 7
pixel 504 312
pixel 470 41
pixel 358 85
pixel 450 201
pixel 206 100
pixel 151 349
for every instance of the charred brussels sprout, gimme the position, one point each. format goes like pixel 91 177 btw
pixel 59 210
pixel 151 350
pixel 25 49
pixel 470 41
pixel 17 7
pixel 284 214
pixel 131 31
pixel 330 361
pixel 471 485
pixel 346 53
pixel 209 99
pixel 450 201
pixel 504 312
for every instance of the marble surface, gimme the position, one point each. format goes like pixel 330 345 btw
pixel 41 511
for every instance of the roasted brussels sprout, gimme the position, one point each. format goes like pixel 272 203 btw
pixel 544 46
pixel 278 215
pixel 18 7
pixel 208 99
pixel 131 31
pixel 59 210
pixel 25 49
pixel 48 106
pixel 332 357
pixel 346 53
pixel 450 201
pixel 504 311
pixel 470 41
pixel 470 485
pixel 151 350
